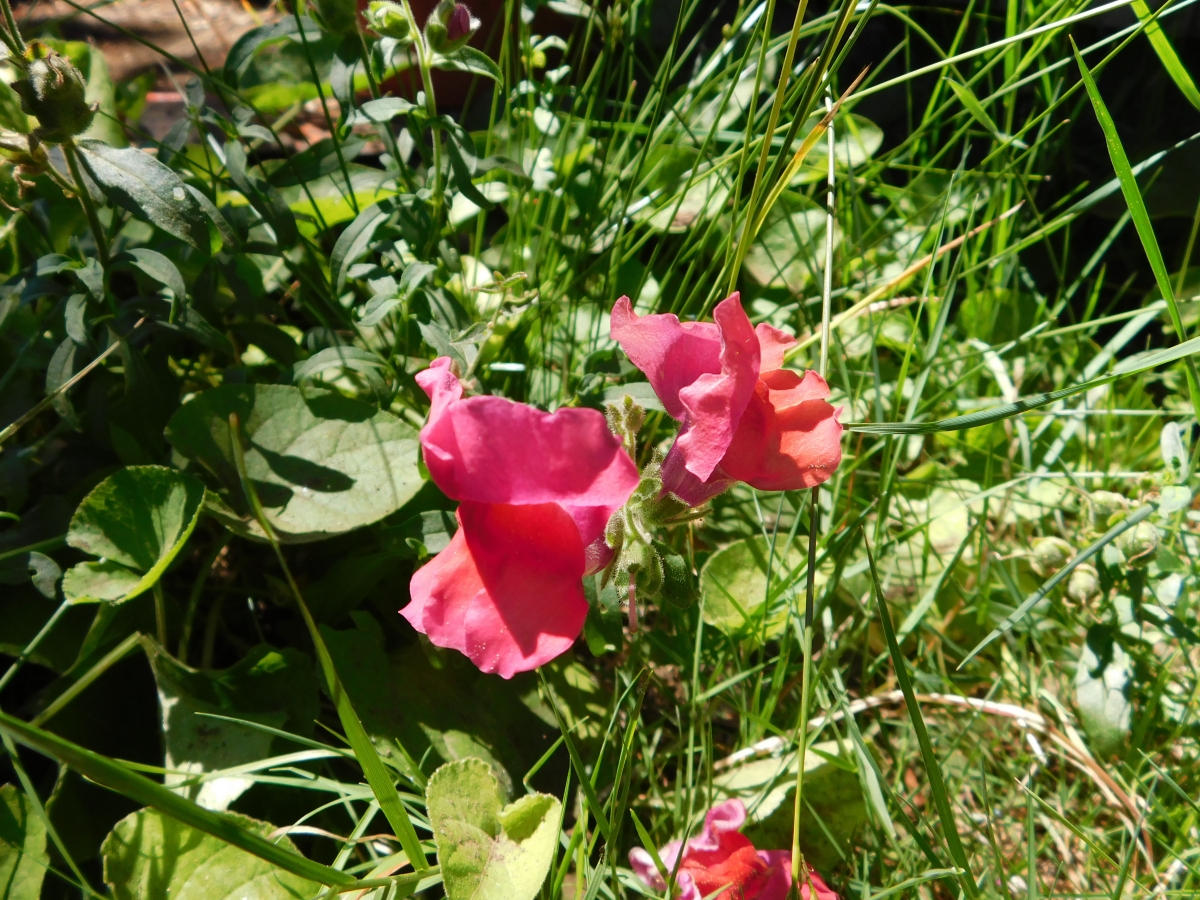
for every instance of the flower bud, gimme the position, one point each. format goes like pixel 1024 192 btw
pixel 450 26
pixel 679 584
pixel 1084 584
pixel 54 92
pixel 1139 544
pixel 1104 504
pixel 388 20
pixel 1049 555
pixel 337 16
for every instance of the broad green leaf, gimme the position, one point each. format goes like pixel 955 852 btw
pixel 158 267
pixel 734 585
pixel 322 463
pixel 489 851
pixel 139 183
pixel 784 254
pixel 23 857
pixel 100 582
pixel 269 686
pixel 150 856
pixel 1102 682
pixel 139 517
pixel 834 811
pixel 468 59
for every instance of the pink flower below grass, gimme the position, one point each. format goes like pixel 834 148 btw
pixel 536 490
pixel 721 859
pixel 745 418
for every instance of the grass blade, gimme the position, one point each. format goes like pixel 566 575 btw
pixel 116 777
pixel 937 785
pixel 1170 59
pixel 1141 217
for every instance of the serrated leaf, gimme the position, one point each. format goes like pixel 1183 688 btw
pixel 322 463
pixel 489 851
pixel 23 857
pixel 139 183
pixel 138 518
pixel 150 856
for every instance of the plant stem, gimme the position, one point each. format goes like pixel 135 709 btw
pixel 424 58
pixel 160 614
pixel 33 644
pixel 13 39
pixel 89 208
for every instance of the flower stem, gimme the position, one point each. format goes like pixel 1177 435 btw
pixel 89 208
pixel 424 57
pixel 160 614
pixel 633 610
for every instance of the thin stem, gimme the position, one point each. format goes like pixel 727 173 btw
pixel 13 39
pixel 160 614
pixel 194 599
pixel 33 645
pixel 633 610
pixel 424 58
pixel 89 208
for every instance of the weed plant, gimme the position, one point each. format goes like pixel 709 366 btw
pixel 213 500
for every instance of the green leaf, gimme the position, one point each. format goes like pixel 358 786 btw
pixel 158 267
pixel 379 111
pixel 99 582
pixel 117 777
pixel 269 686
pixel 139 183
pixel 489 851
pixel 353 242
pixel 1141 219
pixel 468 59
pixel 353 358
pixel 784 253
pixel 734 586
pixel 1166 53
pixel 149 856
pixel 1101 691
pixel 834 808
pixel 322 463
pixel 23 857
pixel 263 196
pixel 139 517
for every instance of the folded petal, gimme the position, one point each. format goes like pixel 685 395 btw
pixel 442 386
pixel 673 354
pixel 492 450
pixel 687 487
pixel 772 344
pixel 714 403
pixel 739 873
pixel 788 437
pixel 643 867
pixel 778 877
pixel 507 591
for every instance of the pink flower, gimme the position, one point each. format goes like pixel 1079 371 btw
pixel 745 418
pixel 722 859
pixel 536 490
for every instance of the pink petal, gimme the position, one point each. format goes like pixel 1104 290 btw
pixel 788 437
pixel 687 487
pixel 673 354
pixel 772 344
pixel 441 384
pixel 779 876
pixel 507 591
pixel 720 820
pixel 714 403
pixel 492 450
pixel 643 867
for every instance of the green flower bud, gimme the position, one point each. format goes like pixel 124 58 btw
pixel 1104 505
pixel 679 584
pixel 450 26
pixel 388 19
pixel 1084 584
pixel 337 16
pixel 53 91
pixel 1049 555
pixel 1139 544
